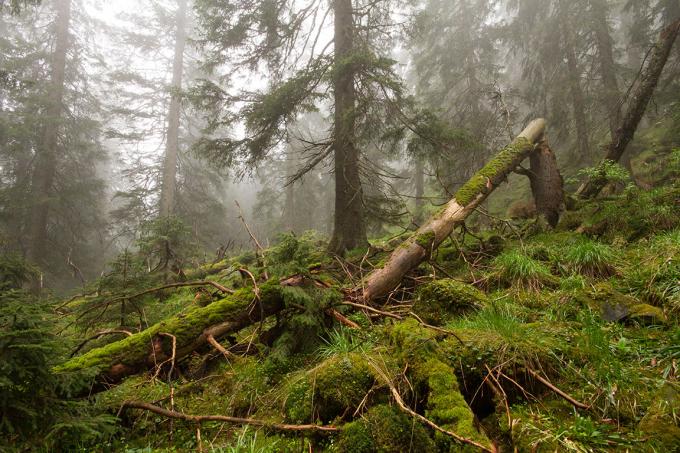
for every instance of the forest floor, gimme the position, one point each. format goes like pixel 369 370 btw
pixel 513 338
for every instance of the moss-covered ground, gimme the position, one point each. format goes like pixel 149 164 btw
pixel 518 337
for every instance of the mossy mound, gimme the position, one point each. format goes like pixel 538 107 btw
pixel 332 389
pixel 446 406
pixel 662 421
pixel 438 299
pixel 384 429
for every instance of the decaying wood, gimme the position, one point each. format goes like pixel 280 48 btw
pixel 423 242
pixel 223 418
pixel 546 183
pixel 636 107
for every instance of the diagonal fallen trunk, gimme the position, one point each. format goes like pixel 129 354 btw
pixel 191 330
pixel 636 108
pixel 423 242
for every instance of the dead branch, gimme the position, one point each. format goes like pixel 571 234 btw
pixel 223 418
pixel 559 392
pixel 259 251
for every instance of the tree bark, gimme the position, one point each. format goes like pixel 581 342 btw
pixel 636 107
pixel 605 51
pixel 46 155
pixel 546 183
pixel 423 242
pixel 349 230
pixel 169 182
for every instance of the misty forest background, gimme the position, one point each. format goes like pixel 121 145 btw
pixel 145 143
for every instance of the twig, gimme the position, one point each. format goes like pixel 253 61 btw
pixel 412 413
pixel 223 418
pixel 259 251
pixel 499 389
pixel 172 357
pixel 342 319
pixel 99 335
pixel 564 395
pixel 216 344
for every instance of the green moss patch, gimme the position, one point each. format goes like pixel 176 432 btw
pixel 444 297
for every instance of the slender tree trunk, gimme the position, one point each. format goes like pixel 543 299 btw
pixel 169 183
pixel 419 176
pixel 636 107
pixel 349 228
pixel 605 51
pixel 46 155
pixel 577 98
pixel 289 203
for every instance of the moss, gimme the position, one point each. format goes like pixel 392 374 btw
pixel 615 306
pixel 660 423
pixel 337 385
pixel 409 339
pixel 185 327
pixel 494 171
pixel 446 406
pixel 425 240
pixel 447 296
pixel 385 429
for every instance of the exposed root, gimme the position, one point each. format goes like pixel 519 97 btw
pixel 559 392
pixel 400 402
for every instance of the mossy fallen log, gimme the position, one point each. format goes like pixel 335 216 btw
pixel 423 242
pixel 190 330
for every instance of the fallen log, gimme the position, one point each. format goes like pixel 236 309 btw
pixel 191 329
pixel 636 108
pixel 423 242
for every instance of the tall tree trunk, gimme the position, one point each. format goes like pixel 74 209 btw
pixel 419 176
pixel 605 51
pixel 577 98
pixel 636 107
pixel 46 155
pixel 349 230
pixel 169 183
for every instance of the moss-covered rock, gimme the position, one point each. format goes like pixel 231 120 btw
pixel 445 297
pixel 615 306
pixel 662 421
pixel 384 429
